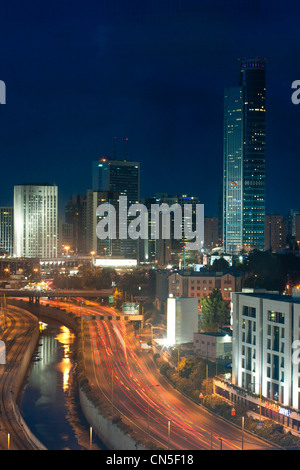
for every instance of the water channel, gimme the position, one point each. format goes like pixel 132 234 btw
pixel 48 401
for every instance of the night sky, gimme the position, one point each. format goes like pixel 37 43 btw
pixel 80 73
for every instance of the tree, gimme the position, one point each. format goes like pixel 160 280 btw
pixel 198 374
pixel 185 367
pixel 220 264
pixel 215 311
pixel 118 299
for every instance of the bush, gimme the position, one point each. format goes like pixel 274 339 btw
pixel 164 368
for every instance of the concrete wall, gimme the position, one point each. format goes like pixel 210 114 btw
pixel 17 378
pixel 112 436
pixel 44 312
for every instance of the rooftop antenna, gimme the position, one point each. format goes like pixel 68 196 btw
pixel 126 149
pixel 115 148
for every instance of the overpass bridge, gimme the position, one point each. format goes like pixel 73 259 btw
pixel 116 317
pixel 34 295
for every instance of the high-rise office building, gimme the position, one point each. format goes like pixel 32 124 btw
pixel 244 159
pixel 122 177
pixel 117 176
pixel 159 250
pixel 6 230
pixel 75 215
pixel 294 224
pixel 35 221
pixel 170 250
pixel 111 245
pixel 65 239
pixel 211 233
pixel 275 236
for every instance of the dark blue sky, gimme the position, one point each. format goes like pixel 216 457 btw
pixel 79 73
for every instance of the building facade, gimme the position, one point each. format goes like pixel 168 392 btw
pixel 201 284
pixel 182 320
pixel 109 247
pixel 122 177
pixel 233 185
pixel 275 232
pixel 6 231
pixel 75 217
pixel 119 176
pixel 244 160
pixel 35 221
pixel 265 351
pixel 211 233
pixel 171 250
pixel 216 346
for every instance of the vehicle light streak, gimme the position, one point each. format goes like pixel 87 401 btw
pixel 118 364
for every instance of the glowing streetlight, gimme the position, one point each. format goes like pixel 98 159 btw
pixel 67 248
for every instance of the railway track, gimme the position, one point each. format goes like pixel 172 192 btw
pixel 14 434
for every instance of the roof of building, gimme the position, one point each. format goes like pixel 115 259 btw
pixel 221 332
pixel 272 296
pixel 207 273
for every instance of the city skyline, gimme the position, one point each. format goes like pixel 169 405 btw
pixel 105 74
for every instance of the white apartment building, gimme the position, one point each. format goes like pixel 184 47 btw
pixel 35 221
pixel 266 345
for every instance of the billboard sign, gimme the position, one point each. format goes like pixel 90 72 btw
pixel 2 353
pixel 130 308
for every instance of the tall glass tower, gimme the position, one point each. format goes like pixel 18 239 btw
pixel 244 160
pixel 121 177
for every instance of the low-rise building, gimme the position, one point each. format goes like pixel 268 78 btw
pixel 216 346
pixel 200 284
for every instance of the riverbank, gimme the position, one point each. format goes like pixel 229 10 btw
pixel 111 430
pixel 20 337
pixel 50 400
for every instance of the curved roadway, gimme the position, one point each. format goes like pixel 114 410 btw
pixel 126 375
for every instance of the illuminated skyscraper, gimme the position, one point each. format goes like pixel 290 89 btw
pixel 244 160
pixel 122 177
pixel 35 221
pixel 6 230
pixel 110 246
pixel 275 236
pixel 75 215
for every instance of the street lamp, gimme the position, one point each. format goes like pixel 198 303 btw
pixel 243 422
pixel 67 272
pixel 92 255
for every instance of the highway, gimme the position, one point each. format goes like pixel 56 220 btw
pixel 14 434
pixel 126 375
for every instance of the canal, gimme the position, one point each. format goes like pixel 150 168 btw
pixel 49 402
